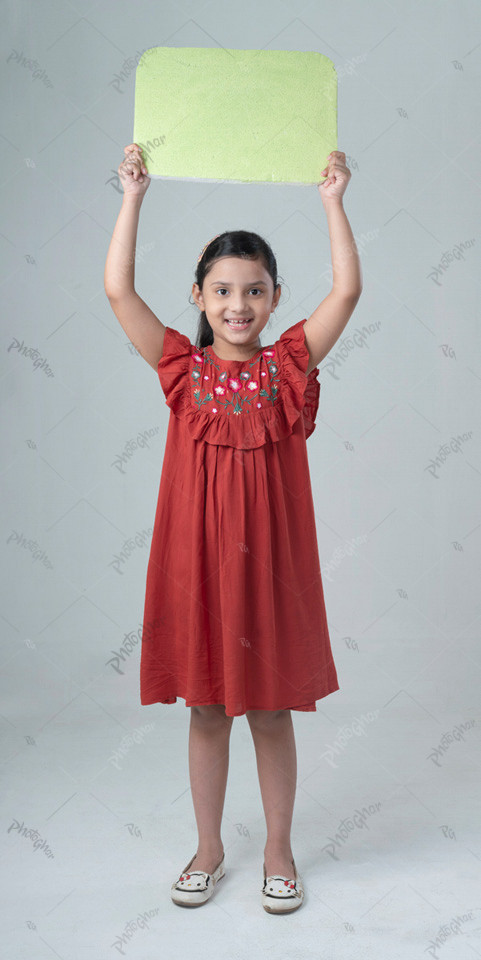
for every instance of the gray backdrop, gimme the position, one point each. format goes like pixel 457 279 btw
pixel 97 811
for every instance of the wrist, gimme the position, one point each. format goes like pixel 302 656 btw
pixel 332 202
pixel 132 199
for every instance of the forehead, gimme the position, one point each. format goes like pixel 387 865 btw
pixel 236 268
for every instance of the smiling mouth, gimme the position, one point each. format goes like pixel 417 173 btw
pixel 239 323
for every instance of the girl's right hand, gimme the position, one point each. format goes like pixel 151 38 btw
pixel 133 172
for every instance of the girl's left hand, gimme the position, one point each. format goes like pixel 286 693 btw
pixel 337 177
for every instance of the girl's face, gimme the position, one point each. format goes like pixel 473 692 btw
pixel 237 289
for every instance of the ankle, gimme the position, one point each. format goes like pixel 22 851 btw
pixel 210 848
pixel 277 848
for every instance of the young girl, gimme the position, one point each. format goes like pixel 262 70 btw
pixel 234 618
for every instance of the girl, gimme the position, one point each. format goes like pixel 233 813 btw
pixel 234 618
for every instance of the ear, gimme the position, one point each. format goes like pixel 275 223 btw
pixel 197 295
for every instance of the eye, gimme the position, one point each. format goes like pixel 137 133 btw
pixel 252 288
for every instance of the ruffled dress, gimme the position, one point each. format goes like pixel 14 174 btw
pixel 234 608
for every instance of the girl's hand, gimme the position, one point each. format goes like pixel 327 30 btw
pixel 133 172
pixel 337 177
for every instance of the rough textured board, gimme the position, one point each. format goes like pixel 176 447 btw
pixel 212 114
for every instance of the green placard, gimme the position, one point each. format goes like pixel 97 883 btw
pixel 212 114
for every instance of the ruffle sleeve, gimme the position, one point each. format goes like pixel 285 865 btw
pixel 183 368
pixel 174 367
pixel 301 390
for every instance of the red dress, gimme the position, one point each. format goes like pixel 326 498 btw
pixel 234 606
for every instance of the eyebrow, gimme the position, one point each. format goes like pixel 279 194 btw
pixel 255 283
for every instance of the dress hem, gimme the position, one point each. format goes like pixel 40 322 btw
pixel 170 700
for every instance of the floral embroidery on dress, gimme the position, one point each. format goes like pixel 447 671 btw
pixel 237 394
pixel 269 393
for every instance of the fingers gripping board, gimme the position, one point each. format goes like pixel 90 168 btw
pixel 212 114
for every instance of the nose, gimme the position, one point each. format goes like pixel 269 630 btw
pixel 239 308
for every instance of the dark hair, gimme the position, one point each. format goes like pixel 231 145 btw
pixel 231 243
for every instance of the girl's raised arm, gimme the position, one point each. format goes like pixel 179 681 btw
pixel 324 327
pixel 142 327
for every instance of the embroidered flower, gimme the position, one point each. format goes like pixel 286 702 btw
pixel 235 393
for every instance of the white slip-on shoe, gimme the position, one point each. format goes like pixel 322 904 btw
pixel 282 894
pixel 194 889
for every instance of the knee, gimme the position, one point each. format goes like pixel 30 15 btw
pixel 263 719
pixel 211 714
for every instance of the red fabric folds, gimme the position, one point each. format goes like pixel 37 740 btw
pixel 234 606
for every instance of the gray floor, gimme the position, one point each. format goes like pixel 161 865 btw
pixel 385 837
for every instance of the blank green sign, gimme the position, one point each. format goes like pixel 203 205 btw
pixel 242 115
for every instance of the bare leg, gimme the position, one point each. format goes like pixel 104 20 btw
pixel 209 738
pixel 275 746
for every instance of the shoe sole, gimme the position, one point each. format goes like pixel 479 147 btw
pixel 283 910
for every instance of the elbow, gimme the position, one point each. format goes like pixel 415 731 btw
pixel 118 294
pixel 349 296
pixel 354 296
